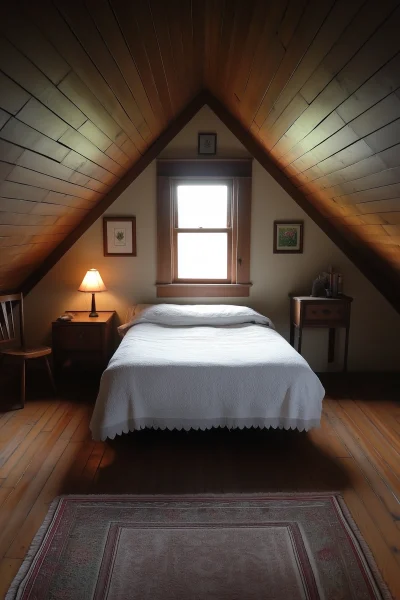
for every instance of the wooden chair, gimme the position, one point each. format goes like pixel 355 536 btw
pixel 9 335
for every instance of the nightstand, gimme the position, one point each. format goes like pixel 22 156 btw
pixel 308 311
pixel 84 341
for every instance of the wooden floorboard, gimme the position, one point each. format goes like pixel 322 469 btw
pixel 46 450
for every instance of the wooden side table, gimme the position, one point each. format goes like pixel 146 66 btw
pixel 308 311
pixel 84 341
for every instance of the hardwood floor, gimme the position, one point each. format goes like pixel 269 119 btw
pixel 46 450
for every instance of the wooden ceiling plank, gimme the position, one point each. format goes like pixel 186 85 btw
pixel 324 104
pixel 317 32
pixel 76 141
pixel 249 48
pixel 374 180
pixel 16 206
pixel 10 152
pixel 378 50
pixel 290 21
pixel 225 41
pixel 108 27
pixel 12 96
pixel 118 156
pixel 381 193
pixel 392 229
pixel 78 18
pixel 381 84
pixel 77 162
pixel 23 135
pixel 384 138
pixel 39 117
pixel 325 129
pixel 373 119
pixel 348 156
pixel 67 200
pixel 341 139
pixel 50 21
pixel 186 24
pixel 5 170
pixel 10 189
pixel 158 63
pixel 95 135
pixel 44 165
pixel 34 179
pixel 28 76
pixel 30 41
pixel 391 156
pixel 267 60
pixel 8 218
pixel 352 76
pixel 125 15
pixel 372 164
pixel 156 15
pixel 101 206
pixel 379 206
pixel 393 218
pixel 214 23
pixel 74 88
pixel 359 30
pixel 198 24
pixel 4 117
pixel 243 14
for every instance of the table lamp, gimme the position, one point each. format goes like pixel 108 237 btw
pixel 92 282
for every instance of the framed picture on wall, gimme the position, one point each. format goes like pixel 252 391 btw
pixel 207 143
pixel 119 236
pixel 288 237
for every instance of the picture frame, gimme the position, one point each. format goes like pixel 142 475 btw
pixel 288 237
pixel 207 143
pixel 119 236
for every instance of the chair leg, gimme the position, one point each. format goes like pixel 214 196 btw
pixel 23 377
pixel 50 372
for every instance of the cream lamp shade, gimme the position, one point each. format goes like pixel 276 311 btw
pixel 92 282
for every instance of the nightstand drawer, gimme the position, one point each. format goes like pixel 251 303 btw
pixel 332 313
pixel 81 337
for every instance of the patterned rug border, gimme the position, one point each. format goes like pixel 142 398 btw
pixel 46 526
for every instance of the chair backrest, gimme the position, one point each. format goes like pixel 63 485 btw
pixel 9 332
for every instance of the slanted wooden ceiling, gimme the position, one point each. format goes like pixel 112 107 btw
pixel 87 86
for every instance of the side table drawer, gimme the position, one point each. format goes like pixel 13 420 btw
pixel 82 337
pixel 319 313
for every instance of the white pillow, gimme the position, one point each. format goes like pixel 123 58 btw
pixel 132 313
pixel 216 315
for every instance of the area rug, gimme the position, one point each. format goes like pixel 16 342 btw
pixel 300 546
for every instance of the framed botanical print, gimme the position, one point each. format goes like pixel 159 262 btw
pixel 119 236
pixel 288 237
pixel 207 143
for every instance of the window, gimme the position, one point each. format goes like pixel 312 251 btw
pixel 203 228
pixel 202 232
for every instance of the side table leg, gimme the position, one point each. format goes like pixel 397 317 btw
pixel 346 349
pixel 331 345
pixel 299 340
pixel 292 330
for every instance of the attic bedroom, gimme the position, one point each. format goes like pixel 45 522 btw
pixel 199 299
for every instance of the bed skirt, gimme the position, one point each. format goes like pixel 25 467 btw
pixel 186 424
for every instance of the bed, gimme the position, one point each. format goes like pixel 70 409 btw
pixel 201 366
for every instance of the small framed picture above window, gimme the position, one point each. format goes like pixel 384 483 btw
pixel 119 236
pixel 207 143
pixel 288 237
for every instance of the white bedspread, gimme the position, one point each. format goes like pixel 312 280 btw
pixel 201 377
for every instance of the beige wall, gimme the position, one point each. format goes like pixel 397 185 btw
pixel 375 327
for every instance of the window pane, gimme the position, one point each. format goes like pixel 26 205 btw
pixel 202 255
pixel 202 206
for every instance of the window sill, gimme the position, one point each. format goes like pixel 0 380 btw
pixel 203 290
